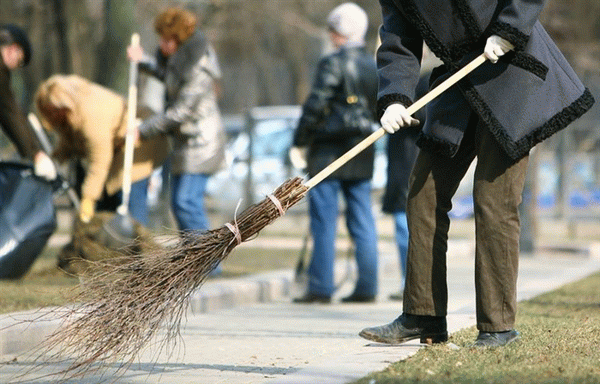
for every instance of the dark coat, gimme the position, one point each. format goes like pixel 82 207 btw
pixel 328 90
pixel 402 152
pixel 13 120
pixel 530 94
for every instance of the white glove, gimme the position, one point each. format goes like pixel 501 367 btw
pixel 496 47
pixel 298 157
pixel 44 167
pixel 395 117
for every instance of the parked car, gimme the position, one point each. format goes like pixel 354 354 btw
pixel 257 152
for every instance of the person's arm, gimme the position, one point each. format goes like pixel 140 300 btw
pixel 14 122
pixel 99 155
pixel 398 58
pixel 327 79
pixel 197 84
pixel 515 21
pixel 398 63
pixel 154 66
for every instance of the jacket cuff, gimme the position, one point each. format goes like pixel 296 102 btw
pixel 384 101
pixel 510 33
pixel 156 125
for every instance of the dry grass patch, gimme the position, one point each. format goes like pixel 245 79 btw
pixel 560 344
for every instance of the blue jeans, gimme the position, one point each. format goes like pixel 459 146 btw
pixel 323 209
pixel 402 242
pixel 138 201
pixel 187 199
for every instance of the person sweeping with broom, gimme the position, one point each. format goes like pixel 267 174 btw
pixel 525 93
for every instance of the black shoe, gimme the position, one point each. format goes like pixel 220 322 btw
pixel 354 298
pixel 312 298
pixel 429 329
pixel 496 339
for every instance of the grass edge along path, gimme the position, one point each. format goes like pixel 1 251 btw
pixel 560 343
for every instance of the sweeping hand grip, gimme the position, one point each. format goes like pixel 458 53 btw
pixel 316 179
pixel 123 209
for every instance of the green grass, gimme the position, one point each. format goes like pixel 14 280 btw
pixel 44 285
pixel 560 344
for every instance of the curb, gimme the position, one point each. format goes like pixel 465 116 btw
pixel 261 288
pixel 21 332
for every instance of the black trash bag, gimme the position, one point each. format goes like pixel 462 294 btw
pixel 27 218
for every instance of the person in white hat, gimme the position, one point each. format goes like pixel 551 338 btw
pixel 338 113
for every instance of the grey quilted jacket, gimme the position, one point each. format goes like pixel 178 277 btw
pixel 191 117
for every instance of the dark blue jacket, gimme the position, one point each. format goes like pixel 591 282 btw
pixel 402 152
pixel 328 90
pixel 529 95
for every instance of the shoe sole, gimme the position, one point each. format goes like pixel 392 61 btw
pixel 424 339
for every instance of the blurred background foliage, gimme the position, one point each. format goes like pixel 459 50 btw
pixel 268 49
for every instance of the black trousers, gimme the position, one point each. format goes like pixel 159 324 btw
pixel 497 190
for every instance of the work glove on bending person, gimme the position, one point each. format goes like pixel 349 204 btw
pixel 395 117
pixel 87 209
pixel 496 47
pixel 44 167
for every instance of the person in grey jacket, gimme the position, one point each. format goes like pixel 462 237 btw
pixel 523 94
pixel 187 64
pixel 346 76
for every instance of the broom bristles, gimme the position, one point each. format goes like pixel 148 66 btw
pixel 125 304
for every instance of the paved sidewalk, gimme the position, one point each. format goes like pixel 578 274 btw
pixel 248 331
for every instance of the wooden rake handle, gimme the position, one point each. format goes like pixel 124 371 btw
pixel 316 179
pixel 123 209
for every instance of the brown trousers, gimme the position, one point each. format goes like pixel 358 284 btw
pixel 498 185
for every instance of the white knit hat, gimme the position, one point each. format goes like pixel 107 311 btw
pixel 350 21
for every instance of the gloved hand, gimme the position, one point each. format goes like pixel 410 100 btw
pixel 136 132
pixel 298 157
pixel 87 208
pixel 395 117
pixel 496 47
pixel 43 166
pixel 135 53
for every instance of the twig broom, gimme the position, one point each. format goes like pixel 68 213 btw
pixel 123 308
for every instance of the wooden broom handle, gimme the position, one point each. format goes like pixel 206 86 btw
pixel 123 209
pixel 316 179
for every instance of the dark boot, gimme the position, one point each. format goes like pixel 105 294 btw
pixel 312 298
pixel 430 329
pixel 355 298
pixel 496 339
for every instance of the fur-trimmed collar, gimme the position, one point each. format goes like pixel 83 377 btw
pixel 475 34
